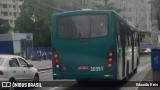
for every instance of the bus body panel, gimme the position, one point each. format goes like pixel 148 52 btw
pixel 86 58
pixel 90 53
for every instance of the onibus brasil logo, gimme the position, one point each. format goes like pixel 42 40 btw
pixel 14 84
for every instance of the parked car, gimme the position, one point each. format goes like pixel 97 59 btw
pixel 145 51
pixel 15 68
pixel 145 48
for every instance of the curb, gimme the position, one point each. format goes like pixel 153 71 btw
pixel 148 77
pixel 44 69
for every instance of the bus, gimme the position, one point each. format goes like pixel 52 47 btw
pixel 94 45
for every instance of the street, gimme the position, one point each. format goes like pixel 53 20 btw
pixel 143 69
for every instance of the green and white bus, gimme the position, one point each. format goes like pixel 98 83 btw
pixel 93 45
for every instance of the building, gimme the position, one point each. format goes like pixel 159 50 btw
pixel 155 32
pixel 138 12
pixel 76 4
pixel 16 43
pixel 10 10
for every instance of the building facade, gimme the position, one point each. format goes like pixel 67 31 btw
pixel 10 10
pixel 138 12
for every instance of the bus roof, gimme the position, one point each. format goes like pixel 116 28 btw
pixel 89 10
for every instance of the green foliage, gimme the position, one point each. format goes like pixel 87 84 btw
pixel 35 18
pixel 4 26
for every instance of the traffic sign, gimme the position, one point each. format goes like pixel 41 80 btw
pixel 29 36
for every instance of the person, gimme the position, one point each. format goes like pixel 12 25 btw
pixel 49 55
pixel 44 55
pixel 39 55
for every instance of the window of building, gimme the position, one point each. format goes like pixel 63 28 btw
pixel 15 14
pixel 14 7
pixel 4 5
pixel 11 21
pixel 7 21
pixel 2 13
pixel 5 13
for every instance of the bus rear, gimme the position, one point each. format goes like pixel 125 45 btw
pixel 84 46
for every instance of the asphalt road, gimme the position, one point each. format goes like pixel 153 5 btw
pixel 143 69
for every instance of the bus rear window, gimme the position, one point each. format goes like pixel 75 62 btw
pixel 82 26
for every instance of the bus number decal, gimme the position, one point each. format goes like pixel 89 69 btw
pixel 96 69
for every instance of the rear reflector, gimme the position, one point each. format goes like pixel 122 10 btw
pixel 57 66
pixel 1 73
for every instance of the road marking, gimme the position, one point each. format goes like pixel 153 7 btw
pixel 56 87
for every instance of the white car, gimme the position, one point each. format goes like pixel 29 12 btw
pixel 15 68
pixel 145 51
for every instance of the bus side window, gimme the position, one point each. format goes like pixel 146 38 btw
pixel 136 40
pixel 122 34
pixel 126 36
pixel 119 40
pixel 118 35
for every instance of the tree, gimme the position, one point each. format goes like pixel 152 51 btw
pixel 39 24
pixel 4 26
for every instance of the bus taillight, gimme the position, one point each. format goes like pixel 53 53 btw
pixel 110 59
pixel 56 59
pixel 55 55
pixel 110 54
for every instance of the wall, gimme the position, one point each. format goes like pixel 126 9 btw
pixel 6 47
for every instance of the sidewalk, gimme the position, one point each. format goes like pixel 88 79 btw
pixel 149 77
pixel 43 65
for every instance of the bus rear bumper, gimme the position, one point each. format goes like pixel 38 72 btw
pixel 99 76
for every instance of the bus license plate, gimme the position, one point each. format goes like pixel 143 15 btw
pixel 95 69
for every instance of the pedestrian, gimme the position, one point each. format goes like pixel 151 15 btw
pixel 44 55
pixel 49 55
pixel 39 55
